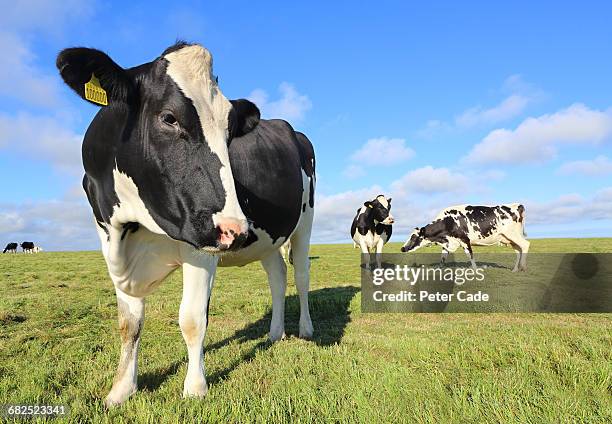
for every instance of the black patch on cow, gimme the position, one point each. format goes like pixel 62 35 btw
pixel 509 212
pixel 303 207
pixel 243 118
pixel 131 227
pixel 521 211
pixel 483 218
pixel 384 229
pixel 267 164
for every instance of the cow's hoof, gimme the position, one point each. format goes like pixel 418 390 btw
pixel 306 329
pixel 118 395
pixel 515 269
pixel 195 389
pixel 277 334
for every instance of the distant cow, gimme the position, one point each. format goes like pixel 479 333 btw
pixel 371 227
pixel 27 246
pixel 10 248
pixel 466 226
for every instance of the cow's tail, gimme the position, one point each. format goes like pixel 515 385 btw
pixel 521 211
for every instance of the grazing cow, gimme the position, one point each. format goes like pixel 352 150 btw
pixel 10 248
pixel 177 175
pixel 371 227
pixel 466 226
pixel 27 247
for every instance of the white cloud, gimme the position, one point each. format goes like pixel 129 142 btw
pixel 535 140
pixel 571 208
pixel 518 96
pixel 599 166
pixel 511 107
pixel 64 224
pixel 47 15
pixel 39 137
pixel 430 180
pixel 10 221
pixel 334 213
pixel 354 171
pixel 20 79
pixel 381 151
pixel 291 106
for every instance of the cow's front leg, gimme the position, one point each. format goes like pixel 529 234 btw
pixel 379 249
pixel 365 254
pixel 131 318
pixel 444 256
pixel 275 267
pixel 198 276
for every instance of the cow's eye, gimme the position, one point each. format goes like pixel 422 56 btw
pixel 168 119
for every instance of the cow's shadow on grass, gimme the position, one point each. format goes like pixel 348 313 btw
pixel 329 310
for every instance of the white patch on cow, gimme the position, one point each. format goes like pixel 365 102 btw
pixel 131 208
pixel 191 69
pixel 383 201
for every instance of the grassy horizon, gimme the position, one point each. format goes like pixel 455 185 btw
pixel 59 344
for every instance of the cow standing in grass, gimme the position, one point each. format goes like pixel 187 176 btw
pixel 10 248
pixel 466 226
pixel 371 228
pixel 179 176
pixel 27 247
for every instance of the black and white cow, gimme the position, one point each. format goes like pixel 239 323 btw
pixel 371 227
pixel 27 247
pixel 10 248
pixel 179 176
pixel 466 226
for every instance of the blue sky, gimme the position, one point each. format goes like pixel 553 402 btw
pixel 431 104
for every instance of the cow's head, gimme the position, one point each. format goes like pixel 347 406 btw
pixel 415 241
pixel 167 126
pixel 380 208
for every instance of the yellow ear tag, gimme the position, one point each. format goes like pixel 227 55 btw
pixel 94 91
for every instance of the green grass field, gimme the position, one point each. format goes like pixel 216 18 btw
pixel 59 344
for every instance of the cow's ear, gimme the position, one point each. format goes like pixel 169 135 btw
pixel 94 76
pixel 368 204
pixel 243 118
pixel 389 200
